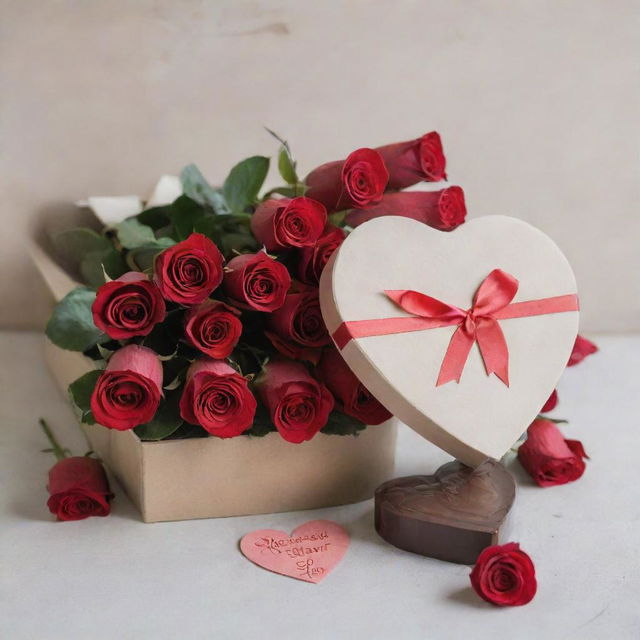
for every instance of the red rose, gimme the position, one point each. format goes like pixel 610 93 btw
pixel 353 397
pixel 280 224
pixel 358 181
pixel 256 281
pixel 128 391
pixel 444 210
pixel 581 349
pixel 299 406
pixel 213 327
pixel 548 458
pixel 313 259
pixel 297 327
pixel 504 575
pixel 78 488
pixel 129 306
pixel 414 161
pixel 551 403
pixel 217 398
pixel 189 271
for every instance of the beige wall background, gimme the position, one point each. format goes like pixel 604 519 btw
pixel 537 102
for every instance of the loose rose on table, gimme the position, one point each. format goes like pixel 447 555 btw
pixel 78 486
pixel 548 457
pixel 504 575
pixel 581 349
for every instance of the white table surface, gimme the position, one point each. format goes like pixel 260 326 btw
pixel 118 578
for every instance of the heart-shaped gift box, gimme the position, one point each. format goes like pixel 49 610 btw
pixel 495 288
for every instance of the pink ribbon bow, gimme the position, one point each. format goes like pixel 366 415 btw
pixel 491 303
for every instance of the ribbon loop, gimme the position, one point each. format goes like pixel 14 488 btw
pixel 492 302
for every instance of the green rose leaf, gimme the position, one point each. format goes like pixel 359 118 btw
pixel 155 217
pixel 71 324
pixel 244 182
pixel 74 244
pixel 165 422
pixel 196 187
pixel 81 390
pixel 185 215
pixel 287 165
pixel 95 264
pixel 141 258
pixel 341 424
pixel 132 233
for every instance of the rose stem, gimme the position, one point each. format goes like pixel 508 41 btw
pixel 57 450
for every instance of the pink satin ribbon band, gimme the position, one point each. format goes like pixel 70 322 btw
pixel 491 303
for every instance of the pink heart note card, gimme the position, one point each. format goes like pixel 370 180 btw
pixel 309 553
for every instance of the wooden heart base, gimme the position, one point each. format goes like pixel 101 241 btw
pixel 451 515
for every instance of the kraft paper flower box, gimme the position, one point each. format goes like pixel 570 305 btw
pixel 212 477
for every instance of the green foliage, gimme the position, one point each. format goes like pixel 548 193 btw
pixel 165 422
pixel 132 233
pixel 342 425
pixel 185 215
pixel 71 324
pixel 80 392
pixel 195 186
pixel 287 165
pixel 74 244
pixel 243 183
pixel 95 264
pixel 142 258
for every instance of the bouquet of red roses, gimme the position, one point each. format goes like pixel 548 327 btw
pixel 202 316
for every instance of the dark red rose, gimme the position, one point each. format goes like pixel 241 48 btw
pixel 128 391
pixel 213 327
pixel 414 161
pixel 129 306
pixel 551 403
pixel 256 281
pixel 297 329
pixel 444 210
pixel 78 488
pixel 189 271
pixel 299 406
pixel 217 398
pixel 581 349
pixel 504 575
pixel 285 223
pixel 358 181
pixel 351 395
pixel 313 259
pixel 548 458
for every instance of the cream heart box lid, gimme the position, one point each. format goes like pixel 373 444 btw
pixel 480 417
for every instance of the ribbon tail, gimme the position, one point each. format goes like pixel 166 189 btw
pixel 455 357
pixel 493 348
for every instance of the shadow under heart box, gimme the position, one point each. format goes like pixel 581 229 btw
pixel 463 337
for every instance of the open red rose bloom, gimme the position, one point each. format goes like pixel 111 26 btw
pixel 504 576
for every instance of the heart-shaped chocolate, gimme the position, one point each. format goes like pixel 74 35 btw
pixel 481 416
pixel 451 515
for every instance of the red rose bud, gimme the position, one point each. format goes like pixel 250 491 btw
pixel 444 210
pixel 548 458
pixel 256 281
pixel 551 403
pixel 213 327
pixel 78 489
pixel 297 329
pixel 189 271
pixel 128 391
pixel 504 575
pixel 129 306
pixel 358 181
pixel 217 398
pixel 280 224
pixel 414 161
pixel 581 349
pixel 313 259
pixel 299 406
pixel 351 395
